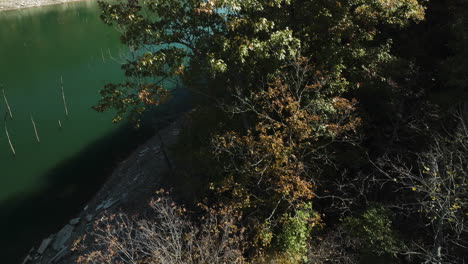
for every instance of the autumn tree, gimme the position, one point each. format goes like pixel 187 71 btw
pixel 287 69
pixel 272 168
pixel 238 43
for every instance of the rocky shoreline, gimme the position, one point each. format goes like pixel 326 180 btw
pixel 130 185
pixel 18 4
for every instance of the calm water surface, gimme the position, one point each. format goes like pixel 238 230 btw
pixel 38 46
pixel 45 184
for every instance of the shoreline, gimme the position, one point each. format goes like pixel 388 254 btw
pixel 6 5
pixel 130 186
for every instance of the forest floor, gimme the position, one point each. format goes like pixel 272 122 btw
pixel 17 4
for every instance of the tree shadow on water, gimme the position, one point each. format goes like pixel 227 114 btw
pixel 26 220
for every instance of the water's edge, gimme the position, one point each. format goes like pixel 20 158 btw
pixel 15 4
pixel 132 182
pixel 128 186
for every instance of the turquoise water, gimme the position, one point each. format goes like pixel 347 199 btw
pixel 38 47
pixel 47 183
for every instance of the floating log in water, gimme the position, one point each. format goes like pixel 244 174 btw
pixel 7 105
pixel 9 141
pixel 60 123
pixel 63 97
pixel 35 129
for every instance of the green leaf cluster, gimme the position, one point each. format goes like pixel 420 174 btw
pixel 372 231
pixel 295 232
pixel 240 43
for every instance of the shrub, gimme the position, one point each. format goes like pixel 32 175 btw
pixel 295 232
pixel 167 238
pixel 372 232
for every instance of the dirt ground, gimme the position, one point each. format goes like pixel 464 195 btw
pixel 17 4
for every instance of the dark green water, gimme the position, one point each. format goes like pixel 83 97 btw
pixel 46 184
pixel 37 47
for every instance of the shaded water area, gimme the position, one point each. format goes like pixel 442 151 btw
pixel 46 183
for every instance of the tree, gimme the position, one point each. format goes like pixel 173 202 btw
pixel 438 194
pixel 238 43
pixel 272 169
pixel 454 67
pixel 288 68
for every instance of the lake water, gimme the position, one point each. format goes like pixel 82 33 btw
pixel 38 47
pixel 48 182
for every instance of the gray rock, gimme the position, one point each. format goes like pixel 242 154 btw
pixel 28 257
pixel 59 255
pixel 156 149
pixel 89 217
pixel 75 221
pixel 45 243
pixel 106 204
pixel 143 151
pixel 62 237
pixel 175 132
